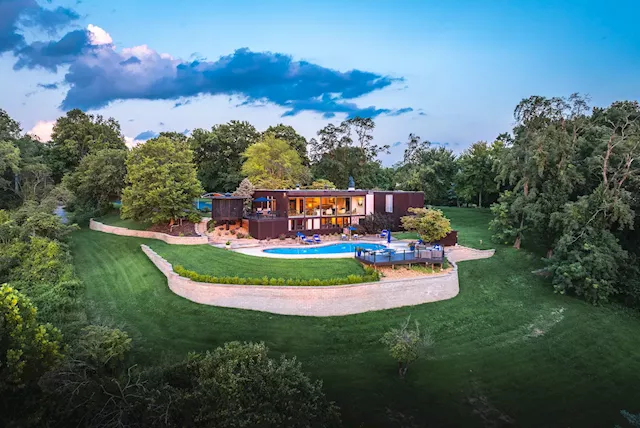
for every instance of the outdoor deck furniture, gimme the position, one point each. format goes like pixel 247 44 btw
pixel 344 237
pixel 316 238
pixel 306 240
pixel 356 236
pixel 384 233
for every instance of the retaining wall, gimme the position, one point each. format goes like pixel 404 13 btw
pixel 313 301
pixel 169 239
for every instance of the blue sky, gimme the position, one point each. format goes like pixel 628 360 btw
pixel 448 71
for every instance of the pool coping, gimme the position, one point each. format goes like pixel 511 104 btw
pixel 259 251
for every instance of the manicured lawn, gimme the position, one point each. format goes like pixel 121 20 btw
pixel 113 219
pixel 506 347
pixel 209 260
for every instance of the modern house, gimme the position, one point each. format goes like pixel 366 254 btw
pixel 286 212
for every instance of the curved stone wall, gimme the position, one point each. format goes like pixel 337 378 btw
pixel 169 239
pixel 313 301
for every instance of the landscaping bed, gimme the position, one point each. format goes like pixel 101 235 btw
pixel 185 228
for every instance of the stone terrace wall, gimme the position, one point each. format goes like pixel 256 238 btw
pixel 169 239
pixel 313 301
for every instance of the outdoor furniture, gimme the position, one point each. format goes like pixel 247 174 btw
pixel 316 238
pixel 356 236
pixel 384 233
pixel 306 240
pixel 344 237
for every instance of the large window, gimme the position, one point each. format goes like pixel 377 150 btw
pixel 312 207
pixel 296 207
pixel 297 224
pixel 328 206
pixel 358 205
pixel 343 206
pixel 329 223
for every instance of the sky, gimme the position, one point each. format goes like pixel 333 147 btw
pixel 449 71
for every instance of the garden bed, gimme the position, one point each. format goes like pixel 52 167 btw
pixel 186 228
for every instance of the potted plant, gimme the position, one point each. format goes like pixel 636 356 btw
pixel 227 245
pixel 359 251
pixel 412 245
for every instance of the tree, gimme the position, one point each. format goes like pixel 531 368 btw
pixel 27 349
pixel 295 140
pixel 9 162
pixel 273 164
pixel 245 189
pixel 161 182
pixel 429 169
pixel 238 385
pixel 406 345
pixel 430 224
pixel 321 184
pixel 77 134
pixel 218 154
pixel 476 176
pixel 98 180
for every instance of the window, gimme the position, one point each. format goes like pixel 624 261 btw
pixel 296 207
pixel 328 206
pixel 297 224
pixel 344 206
pixel 388 206
pixel 312 207
pixel 329 223
pixel 357 206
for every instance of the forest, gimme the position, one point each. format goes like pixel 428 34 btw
pixel 564 183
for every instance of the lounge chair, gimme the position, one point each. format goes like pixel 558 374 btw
pixel 384 233
pixel 305 240
pixel 355 236
pixel 316 238
pixel 344 237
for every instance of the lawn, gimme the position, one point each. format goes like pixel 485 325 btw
pixel 209 260
pixel 507 348
pixel 113 219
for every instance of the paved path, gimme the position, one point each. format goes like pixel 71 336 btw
pixel 322 301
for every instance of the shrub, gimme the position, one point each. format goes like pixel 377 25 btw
pixel 406 345
pixel 240 235
pixel 374 223
pixel 430 224
pixel 282 237
pixel 211 225
pixel 233 231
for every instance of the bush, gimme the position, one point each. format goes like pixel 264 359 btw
pixel 240 235
pixel 374 223
pixel 371 275
pixel 406 345
pixel 233 231
pixel 211 225
pixel 282 237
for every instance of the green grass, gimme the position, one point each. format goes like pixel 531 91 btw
pixel 208 260
pixel 113 219
pixel 541 359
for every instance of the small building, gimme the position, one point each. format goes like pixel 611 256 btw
pixel 286 212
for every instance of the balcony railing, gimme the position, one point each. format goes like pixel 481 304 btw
pixel 265 215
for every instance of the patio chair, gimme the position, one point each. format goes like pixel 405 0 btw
pixel 344 237
pixel 384 233
pixel 306 240
pixel 316 238
pixel 355 236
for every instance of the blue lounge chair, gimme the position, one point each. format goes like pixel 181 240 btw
pixel 316 238
pixel 306 240
pixel 384 233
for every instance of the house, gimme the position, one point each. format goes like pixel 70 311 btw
pixel 286 212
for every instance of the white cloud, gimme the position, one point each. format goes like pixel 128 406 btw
pixel 42 130
pixel 130 142
pixel 99 36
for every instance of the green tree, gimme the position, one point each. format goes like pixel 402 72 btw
pixel 27 349
pixel 77 134
pixel 238 385
pixel 476 177
pixel 430 224
pixel 273 164
pixel 98 180
pixel 429 169
pixel 218 154
pixel 406 345
pixel 161 182
pixel 321 184
pixel 295 140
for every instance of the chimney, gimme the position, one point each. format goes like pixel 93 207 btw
pixel 352 184
pixel 297 186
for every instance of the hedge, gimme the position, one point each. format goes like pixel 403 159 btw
pixel 371 275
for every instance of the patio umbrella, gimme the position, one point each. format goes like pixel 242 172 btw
pixel 388 238
pixel 261 199
pixel 351 229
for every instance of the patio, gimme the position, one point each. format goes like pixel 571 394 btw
pixel 392 257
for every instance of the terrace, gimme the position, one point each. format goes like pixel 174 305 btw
pixel 391 257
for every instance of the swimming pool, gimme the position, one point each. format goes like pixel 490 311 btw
pixel 347 247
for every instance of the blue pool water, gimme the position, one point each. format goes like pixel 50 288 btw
pixel 325 249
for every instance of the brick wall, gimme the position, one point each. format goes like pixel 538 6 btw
pixel 313 301
pixel 169 239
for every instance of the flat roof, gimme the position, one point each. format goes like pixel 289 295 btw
pixel 340 192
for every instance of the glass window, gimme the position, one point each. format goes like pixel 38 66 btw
pixel 343 206
pixel 328 206
pixel 296 207
pixel 312 206
pixel 358 205
pixel 329 222
pixel 388 206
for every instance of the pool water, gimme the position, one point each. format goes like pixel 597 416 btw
pixel 346 247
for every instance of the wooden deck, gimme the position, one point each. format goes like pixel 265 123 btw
pixel 402 257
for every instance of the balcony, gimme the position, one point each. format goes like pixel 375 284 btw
pixel 265 215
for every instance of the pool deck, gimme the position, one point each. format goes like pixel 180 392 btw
pixel 258 251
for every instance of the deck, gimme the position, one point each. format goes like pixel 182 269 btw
pixel 400 257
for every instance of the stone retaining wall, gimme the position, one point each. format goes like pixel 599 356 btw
pixel 313 301
pixel 169 239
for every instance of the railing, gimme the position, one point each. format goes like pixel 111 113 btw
pixel 389 256
pixel 265 215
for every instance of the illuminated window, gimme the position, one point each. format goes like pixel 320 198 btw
pixel 388 206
